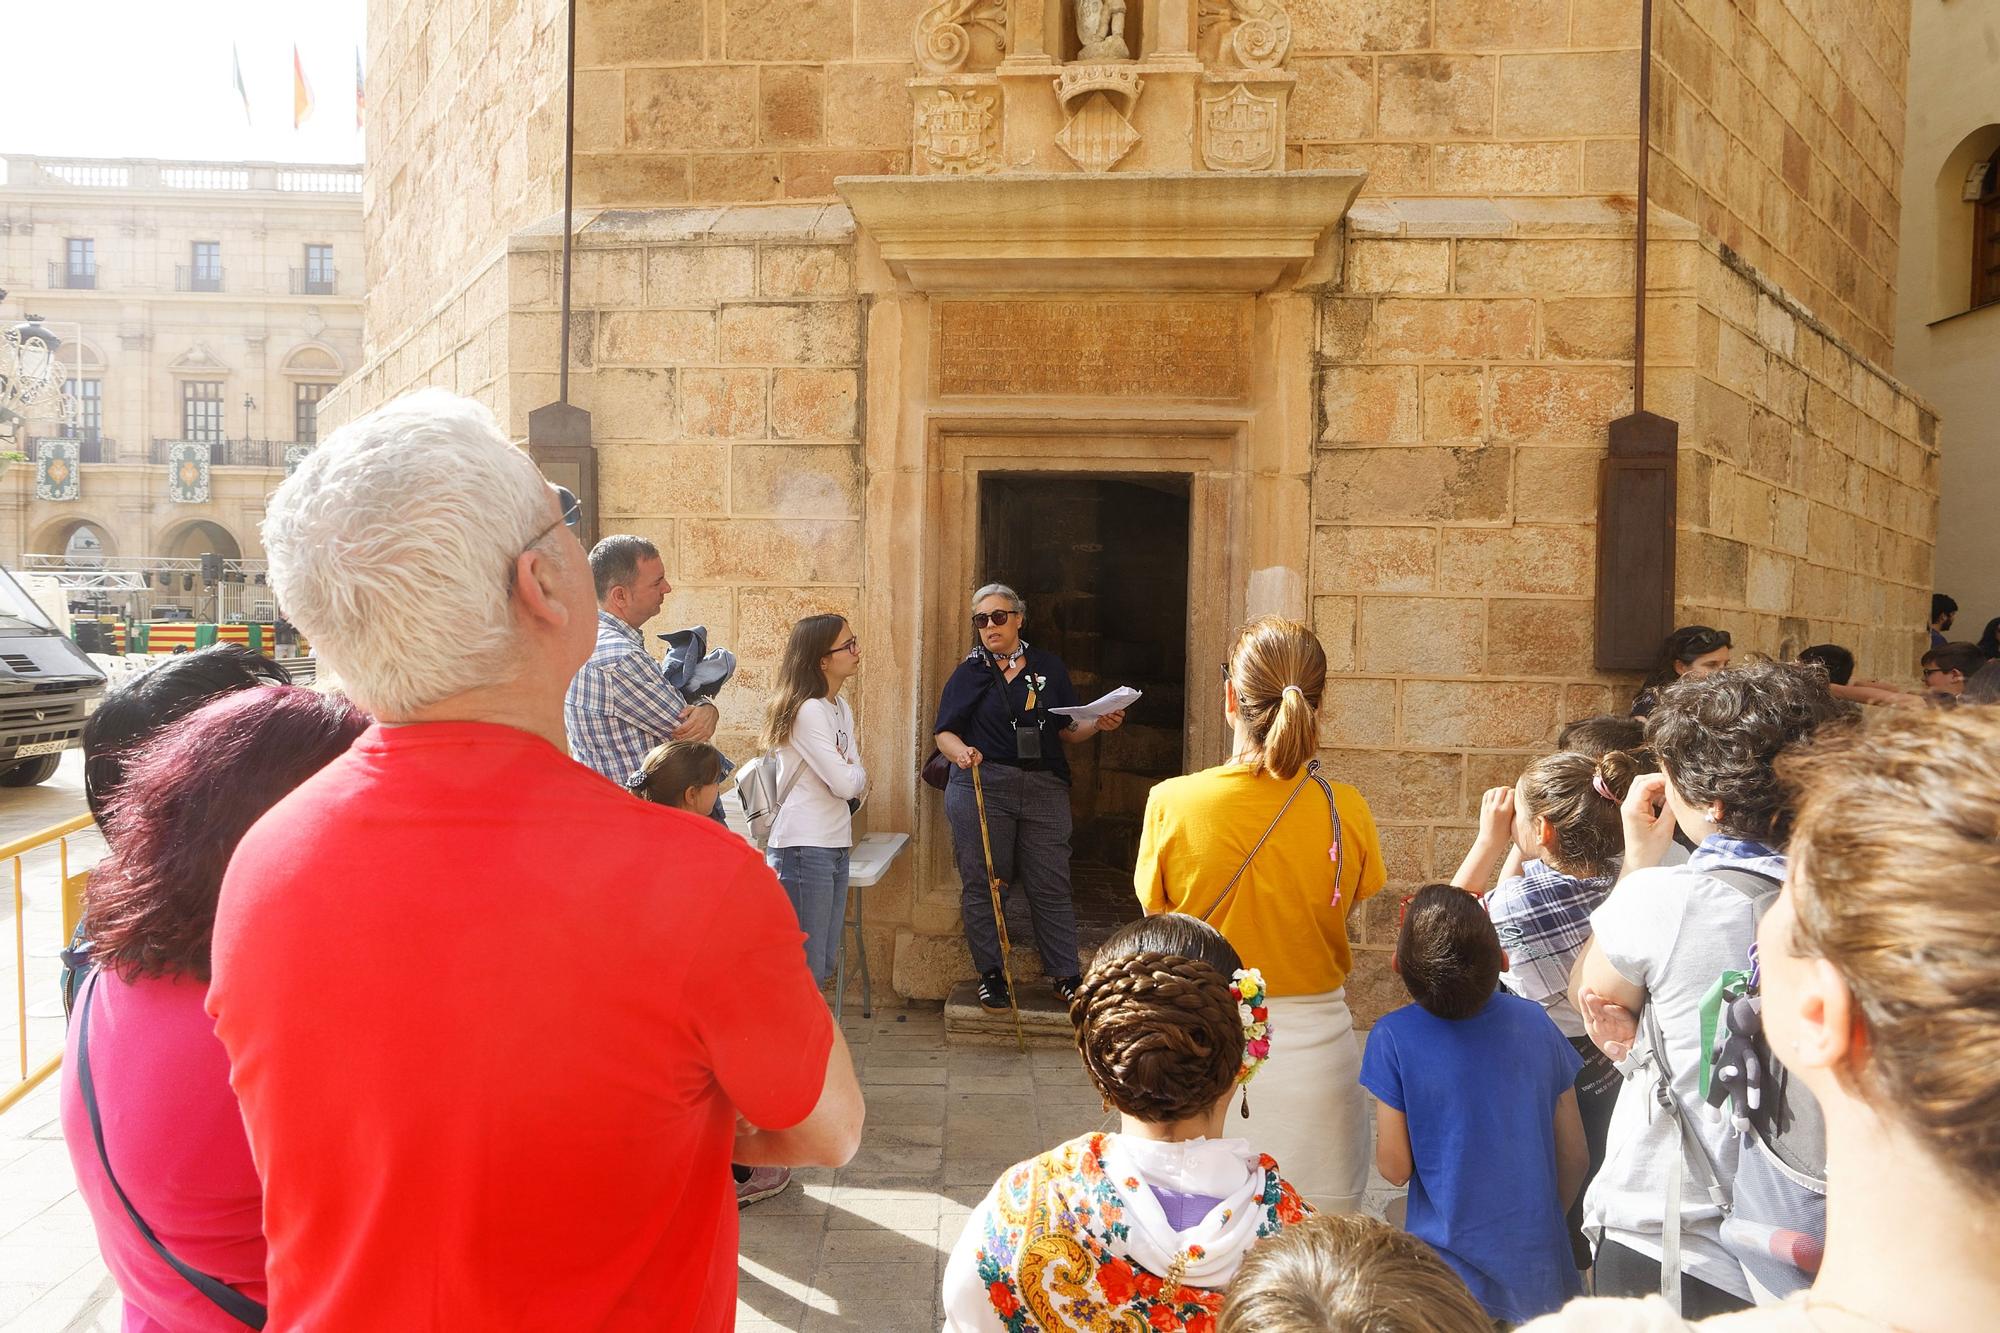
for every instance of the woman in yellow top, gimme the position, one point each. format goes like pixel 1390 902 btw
pixel 1275 857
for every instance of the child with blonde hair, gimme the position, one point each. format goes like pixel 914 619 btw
pixel 1348 1274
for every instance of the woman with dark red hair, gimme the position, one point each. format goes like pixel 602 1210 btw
pixel 153 1128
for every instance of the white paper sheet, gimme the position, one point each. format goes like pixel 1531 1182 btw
pixel 1122 697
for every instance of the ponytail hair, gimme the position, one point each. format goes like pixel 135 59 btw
pixel 1279 670
pixel 1580 796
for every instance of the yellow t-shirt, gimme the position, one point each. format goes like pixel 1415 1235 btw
pixel 1282 916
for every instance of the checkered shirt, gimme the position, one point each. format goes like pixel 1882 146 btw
pixel 1543 918
pixel 620 705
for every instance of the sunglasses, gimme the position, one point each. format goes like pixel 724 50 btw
pixel 572 514
pixel 981 619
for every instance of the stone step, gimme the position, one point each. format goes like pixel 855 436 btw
pixel 1044 1018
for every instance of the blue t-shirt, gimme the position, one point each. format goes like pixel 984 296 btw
pixel 1480 1095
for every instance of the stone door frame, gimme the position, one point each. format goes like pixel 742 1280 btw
pixel 1249 464
pixel 962 450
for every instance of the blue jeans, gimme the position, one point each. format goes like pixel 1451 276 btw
pixel 815 879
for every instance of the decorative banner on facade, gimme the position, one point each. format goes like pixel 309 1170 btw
pixel 296 454
pixel 57 476
pixel 187 472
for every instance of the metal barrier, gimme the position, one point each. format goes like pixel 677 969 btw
pixel 72 911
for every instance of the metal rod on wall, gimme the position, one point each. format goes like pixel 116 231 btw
pixel 569 188
pixel 1639 247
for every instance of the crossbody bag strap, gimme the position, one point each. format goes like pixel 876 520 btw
pixel 1230 887
pixel 231 1301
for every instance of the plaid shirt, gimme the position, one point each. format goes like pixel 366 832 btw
pixel 620 705
pixel 1543 918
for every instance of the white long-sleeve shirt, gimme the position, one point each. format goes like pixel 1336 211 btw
pixel 815 814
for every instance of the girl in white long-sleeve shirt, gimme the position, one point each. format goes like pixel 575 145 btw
pixel 811 730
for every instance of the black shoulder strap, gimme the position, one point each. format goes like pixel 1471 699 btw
pixel 232 1302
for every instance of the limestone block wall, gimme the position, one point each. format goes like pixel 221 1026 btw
pixel 739 101
pixel 1808 480
pixel 1468 97
pixel 718 352
pixel 464 126
pixel 1777 127
pixel 1468 365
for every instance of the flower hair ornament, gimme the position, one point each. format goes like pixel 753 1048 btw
pixel 1247 986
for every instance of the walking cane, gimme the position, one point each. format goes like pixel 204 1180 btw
pixel 993 886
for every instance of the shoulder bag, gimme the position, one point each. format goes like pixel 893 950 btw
pixel 1333 813
pixel 231 1301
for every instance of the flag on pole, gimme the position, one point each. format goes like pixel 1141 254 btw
pixel 236 63
pixel 302 96
pixel 360 99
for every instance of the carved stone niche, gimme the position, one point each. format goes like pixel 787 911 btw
pixel 1040 86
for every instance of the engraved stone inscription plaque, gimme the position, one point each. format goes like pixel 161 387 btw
pixel 1112 347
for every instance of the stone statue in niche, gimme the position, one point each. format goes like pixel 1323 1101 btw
pixel 1100 30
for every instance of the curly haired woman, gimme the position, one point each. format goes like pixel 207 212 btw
pixel 1145 1226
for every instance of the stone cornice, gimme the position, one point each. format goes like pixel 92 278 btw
pixel 1185 231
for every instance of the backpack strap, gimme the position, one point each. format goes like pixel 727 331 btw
pixel 1335 852
pixel 1692 1160
pixel 231 1301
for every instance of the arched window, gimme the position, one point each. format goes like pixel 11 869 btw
pixel 1985 232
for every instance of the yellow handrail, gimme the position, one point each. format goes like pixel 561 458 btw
pixel 71 888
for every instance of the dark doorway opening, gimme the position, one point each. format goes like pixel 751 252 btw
pixel 1103 564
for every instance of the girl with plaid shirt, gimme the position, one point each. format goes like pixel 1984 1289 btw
pixel 1559 830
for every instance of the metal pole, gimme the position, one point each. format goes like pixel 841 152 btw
pixel 1639 247
pixel 569 189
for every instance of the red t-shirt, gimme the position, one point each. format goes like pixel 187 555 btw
pixel 491 1021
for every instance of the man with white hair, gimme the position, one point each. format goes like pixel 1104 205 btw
pixel 497 1029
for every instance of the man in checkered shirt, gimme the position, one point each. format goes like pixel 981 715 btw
pixel 620 705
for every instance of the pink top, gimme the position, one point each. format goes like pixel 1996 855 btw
pixel 176 1140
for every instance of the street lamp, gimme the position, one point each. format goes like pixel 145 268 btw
pixel 248 403
pixel 31 380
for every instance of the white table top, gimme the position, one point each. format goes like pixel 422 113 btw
pixel 873 854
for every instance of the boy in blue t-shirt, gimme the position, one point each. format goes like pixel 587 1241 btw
pixel 1477 1111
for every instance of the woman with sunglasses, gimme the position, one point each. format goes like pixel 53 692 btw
pixel 995 715
pixel 820 781
pixel 1690 652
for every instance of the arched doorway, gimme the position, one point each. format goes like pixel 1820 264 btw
pixel 199 538
pixel 85 547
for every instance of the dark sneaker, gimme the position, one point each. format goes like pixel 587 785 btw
pixel 993 990
pixel 763 1183
pixel 1066 988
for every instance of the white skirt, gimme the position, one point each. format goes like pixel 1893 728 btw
pixel 1306 1107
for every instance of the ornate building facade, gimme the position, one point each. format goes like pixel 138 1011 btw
pixel 205 308
pixel 1174 312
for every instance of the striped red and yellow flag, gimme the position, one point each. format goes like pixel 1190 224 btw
pixel 302 93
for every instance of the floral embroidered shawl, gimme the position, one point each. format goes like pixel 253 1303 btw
pixel 1075 1240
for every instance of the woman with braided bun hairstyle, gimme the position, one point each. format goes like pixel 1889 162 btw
pixel 1276 856
pixel 1145 1227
